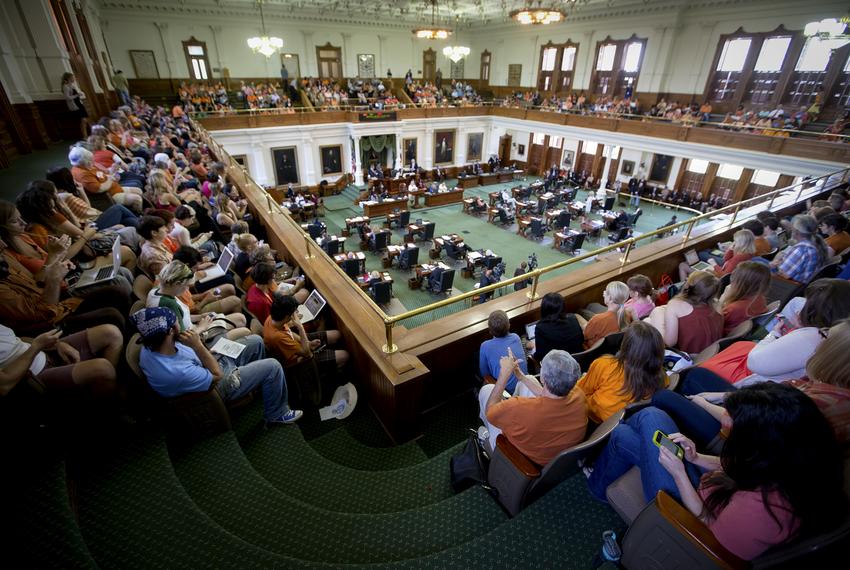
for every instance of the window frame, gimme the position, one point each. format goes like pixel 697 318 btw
pixel 195 42
pixel 617 79
pixel 556 80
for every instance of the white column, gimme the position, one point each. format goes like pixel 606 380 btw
pixel 609 153
pixel 308 176
pixel 381 70
pixel 358 166
pixel 216 30
pixel 346 41
pixel 162 27
pixel 399 151
pixel 428 155
pixel 311 67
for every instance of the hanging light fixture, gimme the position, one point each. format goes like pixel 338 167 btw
pixel 433 32
pixel 456 53
pixel 264 44
pixel 538 16
pixel 831 32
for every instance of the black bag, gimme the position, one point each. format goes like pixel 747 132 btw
pixel 469 467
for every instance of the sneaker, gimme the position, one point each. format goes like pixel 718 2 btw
pixel 289 417
pixel 483 436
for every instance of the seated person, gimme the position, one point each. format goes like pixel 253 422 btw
pixel 613 319
pixel 177 363
pixel 759 492
pixel 543 426
pixel 184 218
pixel 689 321
pixel 261 294
pixel 744 298
pixel 763 246
pixel 246 243
pixel 556 329
pixel 494 349
pixel 800 261
pixel 635 373
pixel 834 227
pixel 82 363
pixel 96 181
pixel 743 248
pixel 640 302
pixel 287 340
pixel 478 205
pixel 434 279
pixel 199 264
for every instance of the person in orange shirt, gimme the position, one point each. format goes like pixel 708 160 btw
pixel 634 374
pixel 95 181
pixel 763 246
pixel 613 319
pixel 542 426
pixel 834 226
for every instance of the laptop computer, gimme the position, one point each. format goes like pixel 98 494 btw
pixel 311 307
pixel 692 259
pixel 101 274
pixel 529 330
pixel 220 268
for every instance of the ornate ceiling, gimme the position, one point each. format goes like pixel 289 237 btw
pixel 455 13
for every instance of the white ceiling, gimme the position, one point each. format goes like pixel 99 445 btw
pixel 454 13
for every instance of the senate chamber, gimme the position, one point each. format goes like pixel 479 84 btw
pixel 425 283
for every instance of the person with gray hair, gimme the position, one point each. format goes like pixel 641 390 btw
pixel 96 181
pixel 544 425
pixel 801 261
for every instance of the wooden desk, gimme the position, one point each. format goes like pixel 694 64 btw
pixel 467 204
pixel 425 269
pixel 561 237
pixel 524 225
pixel 473 259
pixel 488 178
pixel 351 223
pixel 359 256
pixel 440 241
pixel 491 214
pixel 470 181
pixel 394 251
pixel 364 283
pixel 393 185
pixel 508 175
pixel 493 197
pixel 444 198
pixel 522 207
pixel 415 194
pixel 376 209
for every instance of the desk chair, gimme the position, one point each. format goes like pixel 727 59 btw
pixel 382 292
pixel 402 220
pixel 620 235
pixel 331 247
pixel 608 204
pixel 563 220
pixel 351 267
pixel 537 228
pixel 447 278
pixel 491 262
pixel 382 240
pixel 452 251
pixel 574 243
pixel 315 230
pixel 428 231
pixel 408 258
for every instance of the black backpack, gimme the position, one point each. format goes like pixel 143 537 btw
pixel 469 466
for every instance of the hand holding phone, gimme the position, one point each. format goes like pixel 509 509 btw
pixel 663 441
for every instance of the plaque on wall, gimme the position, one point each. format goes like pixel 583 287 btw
pixel 144 64
pixel 365 65
pixel 376 116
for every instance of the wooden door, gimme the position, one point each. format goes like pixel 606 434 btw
pixel 429 64
pixel 553 156
pixel 505 150
pixel 329 59
pixel 535 159
pixel 484 72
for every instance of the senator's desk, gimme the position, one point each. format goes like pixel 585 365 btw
pixel 507 175
pixel 444 198
pixel 376 209
pixel 468 181
pixel 488 178
pixel 393 185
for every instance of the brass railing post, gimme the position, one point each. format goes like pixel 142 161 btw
pixel 389 348
pixel 688 233
pixel 772 198
pixel 307 247
pixel 533 293
pixel 735 215
pixel 800 193
pixel 625 258
pixel 269 202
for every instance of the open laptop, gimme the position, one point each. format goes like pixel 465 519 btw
pixel 692 259
pixel 311 307
pixel 221 266
pixel 101 274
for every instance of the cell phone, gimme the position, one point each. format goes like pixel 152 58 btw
pixel 661 439
pixel 321 348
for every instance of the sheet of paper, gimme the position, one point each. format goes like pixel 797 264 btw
pixel 227 348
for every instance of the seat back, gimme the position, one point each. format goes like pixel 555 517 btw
pixel 783 290
pixel 564 219
pixel 609 203
pixel 828 271
pixel 447 279
pixel 137 306
pixel 585 358
pixel 382 240
pixel 315 230
pixel 382 292
pixel 503 216
pixel 537 227
pixel 132 354
pixel 404 218
pixel 491 262
pixel 739 331
pixel 408 258
pixel 578 242
pixel 142 286
pixel 429 231
pixel 451 250
pixel 764 318
pixel 332 247
pixel 351 267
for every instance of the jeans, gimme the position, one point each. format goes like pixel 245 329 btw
pixel 631 445
pixel 124 95
pixel 692 420
pixel 255 370
pixel 117 214
pixel 634 200
pixel 697 380
pixel 132 180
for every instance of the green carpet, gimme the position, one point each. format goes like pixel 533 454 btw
pixel 29 167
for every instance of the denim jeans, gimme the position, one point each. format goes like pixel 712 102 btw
pixel 255 370
pixel 117 214
pixel 631 445
pixel 692 420
pixel 697 380
pixel 634 200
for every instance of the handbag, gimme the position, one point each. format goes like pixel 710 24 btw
pixel 666 291
pixel 469 466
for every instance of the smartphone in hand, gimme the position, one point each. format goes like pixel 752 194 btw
pixel 660 439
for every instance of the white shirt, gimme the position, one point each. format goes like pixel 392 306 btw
pixel 181 235
pixel 12 347
pixel 412 187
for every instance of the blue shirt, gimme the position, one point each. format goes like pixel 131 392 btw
pixel 176 374
pixel 494 349
pixel 800 262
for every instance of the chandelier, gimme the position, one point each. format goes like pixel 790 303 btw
pixel 538 15
pixel 264 44
pixel 432 32
pixel 456 53
pixel 827 29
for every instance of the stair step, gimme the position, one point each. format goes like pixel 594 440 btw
pixel 341 447
pixel 45 532
pixel 303 473
pixel 135 514
pixel 223 484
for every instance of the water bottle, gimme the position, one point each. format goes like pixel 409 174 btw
pixel 610 549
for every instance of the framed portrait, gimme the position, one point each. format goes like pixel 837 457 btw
pixel 520 149
pixel 241 160
pixel 660 170
pixel 444 147
pixel 568 158
pixel 628 167
pixel 285 166
pixel 474 143
pixel 144 64
pixel 331 157
pixel 366 65
pixel 411 150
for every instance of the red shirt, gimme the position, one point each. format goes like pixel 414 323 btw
pixel 741 310
pixel 259 302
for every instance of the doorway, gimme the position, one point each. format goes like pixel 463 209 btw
pixel 505 150
pixel 429 64
pixel 293 65
pixel 329 59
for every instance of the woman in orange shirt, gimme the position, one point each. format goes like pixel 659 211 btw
pixel 613 319
pixel 634 374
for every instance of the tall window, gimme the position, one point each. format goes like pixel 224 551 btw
pixel 767 71
pixel 809 74
pixel 557 66
pixel 196 58
pixel 730 64
pixel 617 67
pixel 484 74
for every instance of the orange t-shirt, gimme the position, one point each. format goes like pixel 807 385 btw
pixel 91 179
pixel 599 327
pixel 603 387
pixel 762 246
pixel 281 343
pixel 541 427
pixel 838 242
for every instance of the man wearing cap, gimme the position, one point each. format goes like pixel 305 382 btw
pixel 178 363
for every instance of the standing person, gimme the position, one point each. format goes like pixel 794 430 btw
pixel 74 99
pixel 122 87
pixel 284 73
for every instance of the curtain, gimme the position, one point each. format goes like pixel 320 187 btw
pixel 376 143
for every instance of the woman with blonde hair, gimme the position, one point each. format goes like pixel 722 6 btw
pixel 615 317
pixel 745 296
pixel 635 373
pixel 159 192
pixel 743 249
pixel 689 321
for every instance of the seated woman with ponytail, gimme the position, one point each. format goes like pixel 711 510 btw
pixel 745 296
pixel 613 319
pixel 689 321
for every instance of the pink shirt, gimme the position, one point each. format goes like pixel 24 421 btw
pixel 640 308
pixel 746 528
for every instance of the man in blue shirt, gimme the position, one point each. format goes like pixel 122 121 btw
pixel 494 349
pixel 176 363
